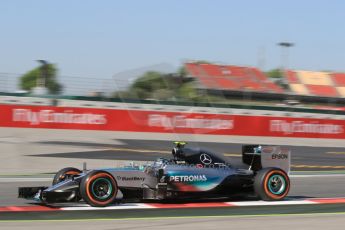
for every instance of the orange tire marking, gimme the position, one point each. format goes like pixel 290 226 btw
pixel 273 196
pixel 92 179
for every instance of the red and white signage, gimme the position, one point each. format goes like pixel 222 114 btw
pixel 167 122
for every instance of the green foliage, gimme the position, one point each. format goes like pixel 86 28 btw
pixel 153 85
pixel 182 72
pixel 29 80
pixel 274 73
pixel 159 86
pixel 149 82
pixel 163 94
pixel 187 91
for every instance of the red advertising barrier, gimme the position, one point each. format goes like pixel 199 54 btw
pixel 167 122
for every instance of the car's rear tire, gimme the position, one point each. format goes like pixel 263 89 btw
pixel 98 188
pixel 65 174
pixel 271 184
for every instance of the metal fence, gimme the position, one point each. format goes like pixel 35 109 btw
pixel 72 85
pixel 9 82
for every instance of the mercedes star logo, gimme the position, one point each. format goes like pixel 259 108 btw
pixel 205 159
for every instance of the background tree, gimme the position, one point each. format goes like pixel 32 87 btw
pixel 182 72
pixel 274 73
pixel 161 86
pixel 29 80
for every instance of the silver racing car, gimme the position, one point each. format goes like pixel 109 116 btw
pixel 190 173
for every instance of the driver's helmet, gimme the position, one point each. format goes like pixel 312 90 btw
pixel 177 151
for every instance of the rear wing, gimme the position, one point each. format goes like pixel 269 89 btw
pixel 265 156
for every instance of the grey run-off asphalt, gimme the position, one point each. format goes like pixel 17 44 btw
pixel 282 222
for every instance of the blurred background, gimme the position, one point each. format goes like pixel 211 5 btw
pixel 268 53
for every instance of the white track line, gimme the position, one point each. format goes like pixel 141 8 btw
pixel 271 203
pixel 138 206
pixel 316 175
pixel 24 179
pixel 120 206
pixel 85 207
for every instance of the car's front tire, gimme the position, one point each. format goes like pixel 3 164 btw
pixel 98 188
pixel 65 174
pixel 271 184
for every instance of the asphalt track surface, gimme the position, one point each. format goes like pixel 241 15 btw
pixel 281 222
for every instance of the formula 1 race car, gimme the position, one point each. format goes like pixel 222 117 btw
pixel 191 173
